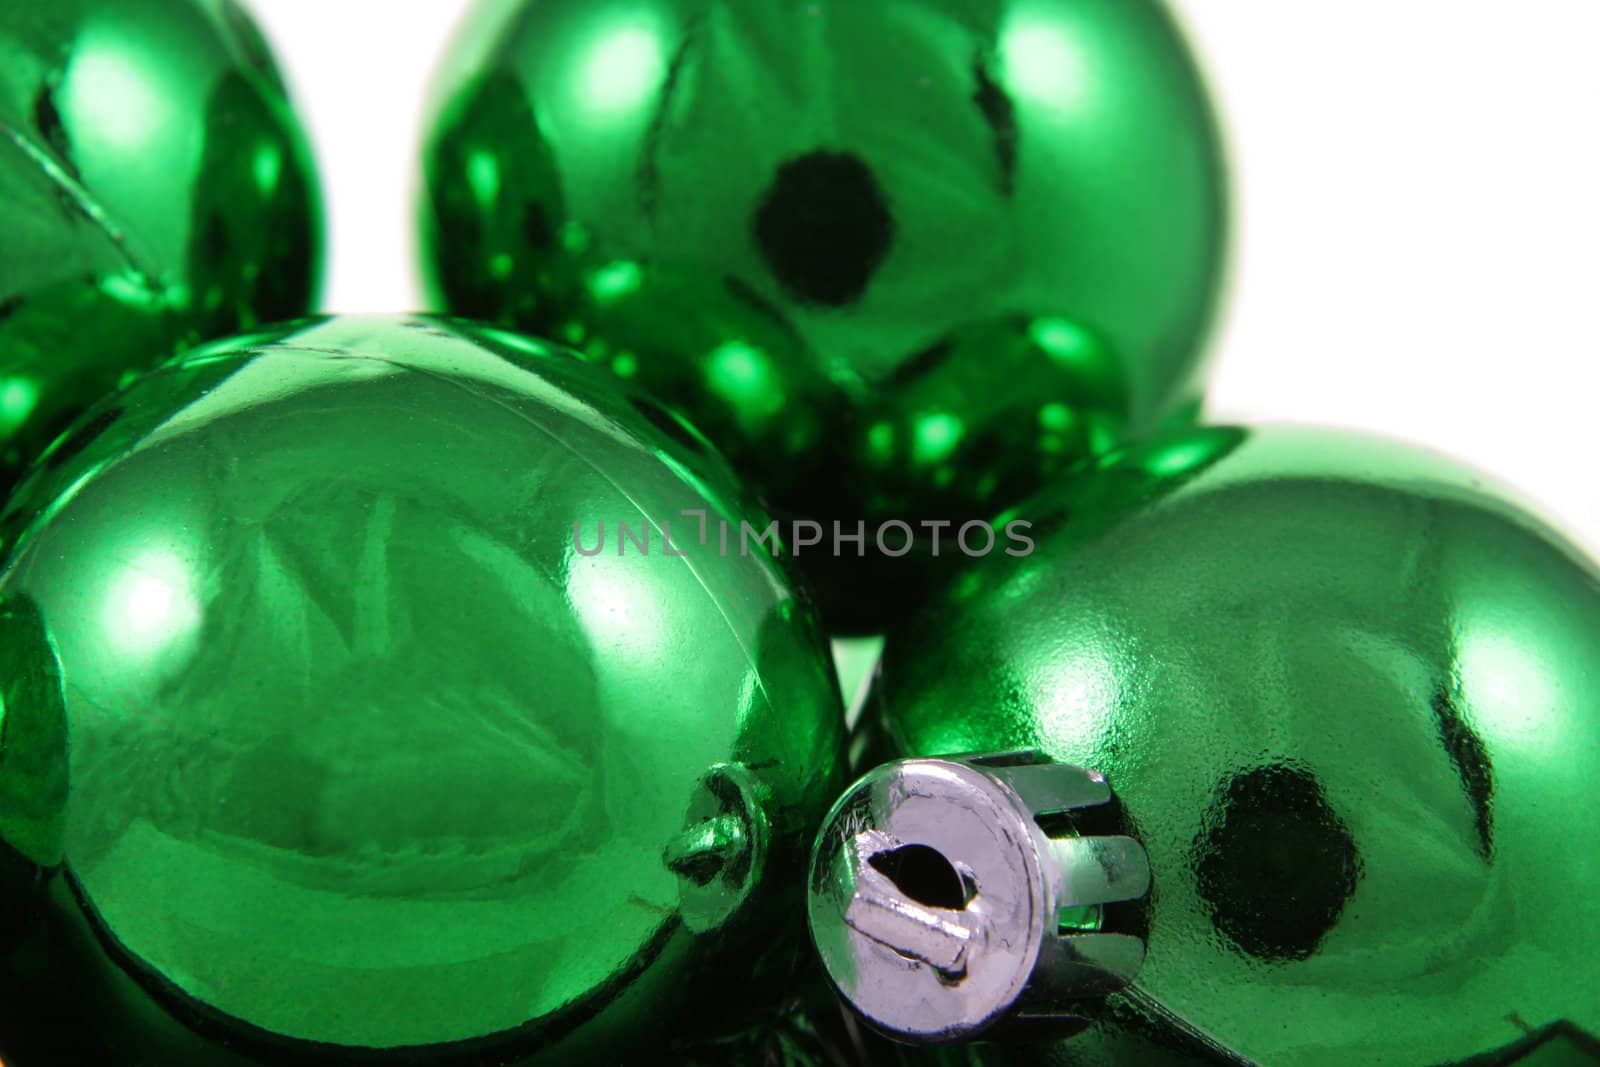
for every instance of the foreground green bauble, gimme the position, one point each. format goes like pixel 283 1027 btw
pixel 328 731
pixel 900 259
pixel 155 190
pixel 1349 699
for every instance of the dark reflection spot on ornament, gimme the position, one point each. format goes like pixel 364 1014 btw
pixel 536 227
pixel 925 875
pixel 1001 116
pixel 1275 864
pixel 10 306
pixel 1471 760
pixel 824 228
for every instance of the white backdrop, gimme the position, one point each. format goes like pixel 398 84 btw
pixel 1418 185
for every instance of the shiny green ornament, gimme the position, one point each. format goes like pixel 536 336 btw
pixel 1348 698
pixel 329 729
pixel 155 190
pixel 904 259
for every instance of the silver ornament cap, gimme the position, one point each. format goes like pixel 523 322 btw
pixel 941 907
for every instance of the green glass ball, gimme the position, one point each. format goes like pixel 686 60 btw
pixel 155 190
pixel 328 731
pixel 905 259
pixel 1348 696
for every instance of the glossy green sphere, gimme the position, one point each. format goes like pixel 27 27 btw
pixel 903 259
pixel 1348 696
pixel 155 190
pixel 328 727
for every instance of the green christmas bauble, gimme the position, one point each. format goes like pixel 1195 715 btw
pixel 902 260
pixel 155 190
pixel 331 729
pixel 1348 697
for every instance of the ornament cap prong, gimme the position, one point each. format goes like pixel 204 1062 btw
pixel 719 854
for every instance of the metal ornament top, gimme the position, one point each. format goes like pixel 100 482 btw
pixel 941 906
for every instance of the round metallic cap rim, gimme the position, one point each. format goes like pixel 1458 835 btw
pixel 912 965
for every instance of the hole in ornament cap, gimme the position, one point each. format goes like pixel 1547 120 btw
pixel 925 876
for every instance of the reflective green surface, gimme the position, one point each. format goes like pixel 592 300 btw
pixel 1349 698
pixel 900 259
pixel 155 190
pixel 319 729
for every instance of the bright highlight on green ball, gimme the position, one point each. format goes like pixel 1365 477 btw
pixel 906 259
pixel 325 732
pixel 1348 697
pixel 155 190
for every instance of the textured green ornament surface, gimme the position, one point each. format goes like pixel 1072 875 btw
pixel 901 259
pixel 1349 698
pixel 319 731
pixel 155 190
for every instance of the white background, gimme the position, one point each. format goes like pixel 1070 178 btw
pixel 1418 190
